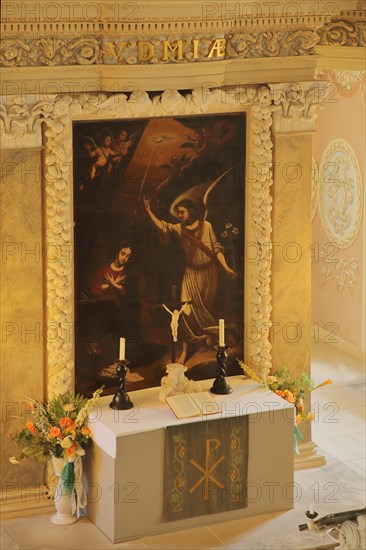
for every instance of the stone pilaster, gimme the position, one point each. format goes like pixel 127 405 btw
pixel 22 315
pixel 293 126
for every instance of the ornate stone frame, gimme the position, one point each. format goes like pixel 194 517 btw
pixel 21 123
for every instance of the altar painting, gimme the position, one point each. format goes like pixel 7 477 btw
pixel 159 221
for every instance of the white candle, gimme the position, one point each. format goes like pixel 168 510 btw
pixel 311 509
pixel 122 349
pixel 221 333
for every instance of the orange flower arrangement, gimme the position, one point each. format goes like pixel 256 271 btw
pixel 66 423
pixel 55 432
pixel 58 429
pixel 31 427
pixel 291 389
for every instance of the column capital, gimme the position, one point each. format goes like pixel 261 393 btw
pixel 294 105
pixel 20 122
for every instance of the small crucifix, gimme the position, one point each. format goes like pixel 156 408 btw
pixel 175 313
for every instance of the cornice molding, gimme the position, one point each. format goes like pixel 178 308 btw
pixel 76 79
pixel 84 34
pixel 150 50
pixel 96 48
pixel 174 12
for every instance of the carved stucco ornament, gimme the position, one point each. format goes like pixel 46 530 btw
pixel 20 124
pixel 295 104
pixel 343 33
pixel 16 52
pixel 50 51
pixel 340 193
pixel 343 272
pixel 347 80
pixel 92 50
pixel 271 43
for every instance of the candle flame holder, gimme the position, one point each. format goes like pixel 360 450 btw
pixel 220 385
pixel 121 400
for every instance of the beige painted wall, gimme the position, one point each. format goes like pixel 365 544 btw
pixel 21 307
pixel 343 116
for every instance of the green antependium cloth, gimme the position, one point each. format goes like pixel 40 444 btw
pixel 206 466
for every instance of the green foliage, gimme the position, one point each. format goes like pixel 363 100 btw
pixel 175 498
pixel 237 430
pixel 58 428
pixel 176 468
pixel 285 381
pixel 238 459
pixel 33 447
pixel 66 403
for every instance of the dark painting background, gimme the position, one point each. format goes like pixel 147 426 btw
pixel 164 158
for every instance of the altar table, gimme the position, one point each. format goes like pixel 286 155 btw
pixel 125 466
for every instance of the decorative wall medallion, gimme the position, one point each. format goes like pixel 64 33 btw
pixel 340 193
pixel 314 186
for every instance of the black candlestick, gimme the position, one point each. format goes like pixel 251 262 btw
pixel 311 515
pixel 121 401
pixel 220 385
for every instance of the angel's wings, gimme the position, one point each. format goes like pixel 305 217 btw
pixel 199 194
pixel 131 140
pixel 133 137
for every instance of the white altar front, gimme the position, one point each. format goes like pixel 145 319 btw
pixel 125 467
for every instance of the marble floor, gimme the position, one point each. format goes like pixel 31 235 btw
pixel 339 431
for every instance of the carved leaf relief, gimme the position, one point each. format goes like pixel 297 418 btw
pixel 340 193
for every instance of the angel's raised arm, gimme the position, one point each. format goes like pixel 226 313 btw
pixel 158 223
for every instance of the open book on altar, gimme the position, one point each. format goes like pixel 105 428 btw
pixel 187 405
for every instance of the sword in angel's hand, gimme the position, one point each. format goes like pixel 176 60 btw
pixel 155 141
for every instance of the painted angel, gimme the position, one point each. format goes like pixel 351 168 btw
pixel 203 259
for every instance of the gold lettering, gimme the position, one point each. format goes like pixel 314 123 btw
pixel 178 47
pixel 146 51
pixel 195 48
pixel 218 48
pixel 111 47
